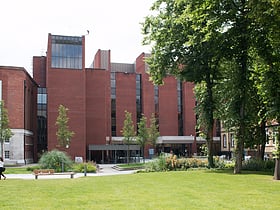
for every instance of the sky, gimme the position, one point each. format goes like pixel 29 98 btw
pixel 112 24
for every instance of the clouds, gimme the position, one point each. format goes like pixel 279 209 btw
pixel 112 24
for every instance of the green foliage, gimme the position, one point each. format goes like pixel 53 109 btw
pixel 157 165
pixel 80 167
pixel 54 160
pixel 5 131
pixel 128 131
pixel 153 130
pixel 143 135
pixel 32 168
pixel 231 49
pixel 63 133
pixel 258 165
pixel 172 163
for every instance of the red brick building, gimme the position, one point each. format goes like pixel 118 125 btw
pixel 19 93
pixel 97 98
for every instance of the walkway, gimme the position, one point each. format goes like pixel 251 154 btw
pixel 105 170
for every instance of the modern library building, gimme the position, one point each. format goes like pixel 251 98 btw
pixel 97 98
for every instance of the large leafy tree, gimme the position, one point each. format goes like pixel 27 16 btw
pixel 63 133
pixel 180 34
pixel 193 38
pixel 128 132
pixel 268 45
pixel 5 131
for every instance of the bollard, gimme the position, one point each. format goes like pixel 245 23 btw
pixel 85 170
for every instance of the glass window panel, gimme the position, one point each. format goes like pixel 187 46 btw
pixel 67 52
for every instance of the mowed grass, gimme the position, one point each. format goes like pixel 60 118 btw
pixel 166 190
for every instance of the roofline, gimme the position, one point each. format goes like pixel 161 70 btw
pixel 16 68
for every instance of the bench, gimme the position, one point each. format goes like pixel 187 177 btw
pixel 40 172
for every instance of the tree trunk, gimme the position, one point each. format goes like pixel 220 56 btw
pixel 209 139
pixel 242 82
pixel 239 156
pixel 210 153
pixel 277 169
pixel 263 140
pixel 209 109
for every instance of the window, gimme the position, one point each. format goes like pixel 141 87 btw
pixel 138 97
pixel 7 154
pixel 180 108
pixel 66 52
pixel 232 139
pixel 113 104
pixel 225 141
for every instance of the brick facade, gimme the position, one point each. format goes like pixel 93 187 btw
pixel 19 93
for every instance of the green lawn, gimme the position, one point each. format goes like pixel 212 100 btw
pixel 167 190
pixel 17 170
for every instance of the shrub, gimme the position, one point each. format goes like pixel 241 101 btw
pixel 80 167
pixel 258 165
pixel 158 164
pixel 170 162
pixel 55 160
pixel 219 163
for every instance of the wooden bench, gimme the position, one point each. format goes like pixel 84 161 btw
pixel 40 172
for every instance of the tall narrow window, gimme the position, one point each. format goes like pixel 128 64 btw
pixel 113 104
pixel 42 119
pixel 138 97
pixel 156 101
pixel 225 141
pixel 180 108
pixel 232 139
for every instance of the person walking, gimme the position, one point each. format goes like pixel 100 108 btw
pixel 2 168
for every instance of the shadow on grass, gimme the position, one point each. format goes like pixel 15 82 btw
pixel 243 172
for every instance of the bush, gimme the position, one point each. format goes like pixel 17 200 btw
pixel 54 160
pixel 258 165
pixel 158 164
pixel 219 162
pixel 80 167
pixel 171 163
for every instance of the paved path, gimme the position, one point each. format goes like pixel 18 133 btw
pixel 105 170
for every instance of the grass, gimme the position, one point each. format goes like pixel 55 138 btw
pixel 17 170
pixel 131 166
pixel 198 189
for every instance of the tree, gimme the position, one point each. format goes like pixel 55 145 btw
pixel 153 131
pixel 5 131
pixel 128 132
pixel 63 133
pixel 185 42
pixel 193 39
pixel 266 16
pixel 143 135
